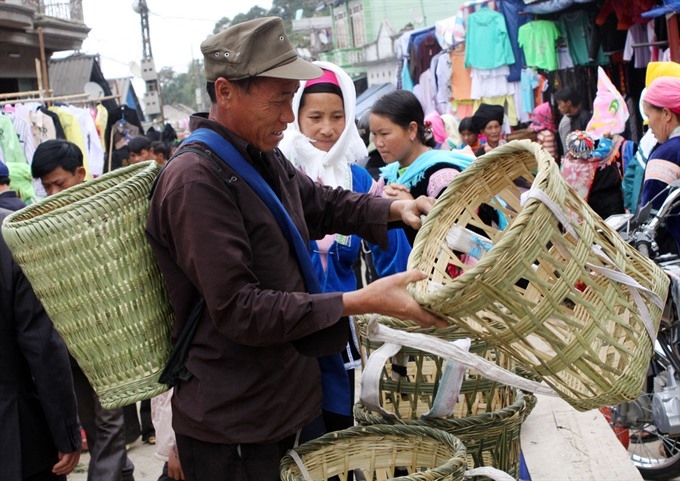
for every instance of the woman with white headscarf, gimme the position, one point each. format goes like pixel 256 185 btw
pixel 324 142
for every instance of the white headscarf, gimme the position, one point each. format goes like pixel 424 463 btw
pixel 332 167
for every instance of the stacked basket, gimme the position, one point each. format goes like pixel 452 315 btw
pixel 379 452
pixel 487 417
pixel 85 253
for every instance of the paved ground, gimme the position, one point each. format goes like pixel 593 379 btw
pixel 147 466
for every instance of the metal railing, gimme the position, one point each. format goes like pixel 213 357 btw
pixel 70 10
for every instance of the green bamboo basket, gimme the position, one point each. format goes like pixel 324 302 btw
pixel 85 253
pixel 544 294
pixel 488 416
pixel 378 451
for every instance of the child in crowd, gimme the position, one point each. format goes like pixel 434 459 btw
pixel 594 173
pixel 469 134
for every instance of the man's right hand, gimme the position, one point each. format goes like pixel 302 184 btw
pixel 67 463
pixel 388 296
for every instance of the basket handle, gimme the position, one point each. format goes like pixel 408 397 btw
pixel 300 465
pixel 447 350
pixel 447 394
pixel 489 472
pixel 617 275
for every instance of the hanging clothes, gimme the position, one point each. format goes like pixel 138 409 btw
pixel 487 44
pixel 538 39
pixel 576 27
pixel 514 20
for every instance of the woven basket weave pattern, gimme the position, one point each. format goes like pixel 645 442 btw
pixel 488 416
pixel 533 295
pixel 85 253
pixel 427 454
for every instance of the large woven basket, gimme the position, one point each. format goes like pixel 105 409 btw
pixel 487 417
pixel 85 253
pixel 426 454
pixel 553 284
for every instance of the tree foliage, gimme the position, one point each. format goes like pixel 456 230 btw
pixel 181 88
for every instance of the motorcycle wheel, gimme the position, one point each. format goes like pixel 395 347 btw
pixel 656 457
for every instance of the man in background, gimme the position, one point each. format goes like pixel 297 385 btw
pixel 574 115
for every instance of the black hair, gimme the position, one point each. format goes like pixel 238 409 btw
pixel 153 134
pixel 569 94
pixel 466 124
pixel 364 128
pixel 243 84
pixel 4 180
pixel 53 154
pixel 169 134
pixel 321 88
pixel 402 107
pixel 159 147
pixel 136 144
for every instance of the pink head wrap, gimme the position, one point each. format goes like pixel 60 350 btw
pixel 437 126
pixel 664 92
pixel 328 77
pixel 542 118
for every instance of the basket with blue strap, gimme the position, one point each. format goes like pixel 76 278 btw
pixel 85 253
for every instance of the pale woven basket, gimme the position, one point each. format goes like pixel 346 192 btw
pixel 86 255
pixel 426 454
pixel 488 416
pixel 549 292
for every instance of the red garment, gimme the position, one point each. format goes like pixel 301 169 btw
pixel 627 12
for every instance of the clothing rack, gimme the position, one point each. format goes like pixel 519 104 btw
pixel 94 101
pixel 17 95
pixel 70 98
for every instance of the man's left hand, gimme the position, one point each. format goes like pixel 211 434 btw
pixel 409 211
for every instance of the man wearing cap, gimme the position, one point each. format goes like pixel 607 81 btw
pixel 8 198
pixel 254 383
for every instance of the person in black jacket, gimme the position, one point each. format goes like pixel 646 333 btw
pixel 40 435
pixel 8 198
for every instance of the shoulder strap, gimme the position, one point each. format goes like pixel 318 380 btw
pixel 233 158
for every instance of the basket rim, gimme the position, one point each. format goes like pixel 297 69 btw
pixel 22 217
pixel 379 430
pixel 507 241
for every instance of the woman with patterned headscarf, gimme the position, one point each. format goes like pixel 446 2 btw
pixel 661 105
pixel 542 123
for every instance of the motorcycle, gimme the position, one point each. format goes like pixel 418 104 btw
pixel 650 425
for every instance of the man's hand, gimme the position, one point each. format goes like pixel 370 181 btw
pixel 174 468
pixel 388 296
pixel 409 212
pixel 67 463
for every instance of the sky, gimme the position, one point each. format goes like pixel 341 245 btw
pixel 176 27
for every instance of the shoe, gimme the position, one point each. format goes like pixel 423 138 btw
pixel 150 440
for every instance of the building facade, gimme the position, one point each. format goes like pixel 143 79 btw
pixel 35 29
pixel 364 33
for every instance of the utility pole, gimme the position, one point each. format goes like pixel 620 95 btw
pixel 153 104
